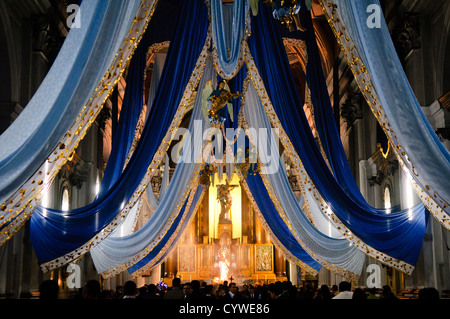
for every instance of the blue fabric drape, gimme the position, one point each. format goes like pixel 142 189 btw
pixel 395 234
pixel 121 251
pixel 157 31
pixel 325 121
pixel 277 226
pixel 335 253
pixel 416 143
pixel 228 61
pixel 83 60
pixel 54 235
pixel 151 257
pixel 132 104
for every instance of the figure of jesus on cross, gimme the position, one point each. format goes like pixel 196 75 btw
pixel 224 196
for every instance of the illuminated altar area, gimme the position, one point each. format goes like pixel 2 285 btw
pixel 242 245
pixel 302 202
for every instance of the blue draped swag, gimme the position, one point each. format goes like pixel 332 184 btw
pixel 276 225
pixel 120 251
pixel 416 144
pixel 54 234
pixel 331 250
pixel 83 60
pixel 325 121
pixel 228 57
pixel 157 31
pixel 132 104
pixel 151 257
pixel 397 234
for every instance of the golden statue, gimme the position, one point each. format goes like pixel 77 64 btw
pixel 217 103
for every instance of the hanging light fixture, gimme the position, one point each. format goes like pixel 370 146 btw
pixel 287 12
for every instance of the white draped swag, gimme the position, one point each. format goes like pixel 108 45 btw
pixel 88 67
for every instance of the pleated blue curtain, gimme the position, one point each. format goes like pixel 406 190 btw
pixel 54 235
pixel 132 104
pixel 274 222
pixel 83 60
pixel 144 245
pixel 397 234
pixel 337 254
pixel 166 245
pixel 131 107
pixel 228 56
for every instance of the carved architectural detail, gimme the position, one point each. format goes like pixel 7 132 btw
pixel 407 35
pixel 104 115
pixel 376 179
pixel 156 181
pixel 77 171
pixel 46 39
pixel 387 168
pixel 293 181
pixel 352 108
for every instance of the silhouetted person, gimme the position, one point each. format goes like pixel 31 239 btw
pixel 129 290
pixel 175 292
pixel 152 292
pixel 91 290
pixel 359 294
pixel 119 292
pixel 187 291
pixel 308 293
pixel 48 290
pixel 252 294
pixel 195 285
pixel 373 293
pixel 334 291
pixel 234 291
pixel 222 292
pixel 274 290
pixel 429 294
pixel 323 293
pixel 209 292
pixel 344 291
pixel 387 293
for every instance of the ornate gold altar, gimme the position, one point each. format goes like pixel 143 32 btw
pixel 225 241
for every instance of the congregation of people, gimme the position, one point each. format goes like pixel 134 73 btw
pixel 229 291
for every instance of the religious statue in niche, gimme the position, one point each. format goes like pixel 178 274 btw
pixel 217 104
pixel 224 197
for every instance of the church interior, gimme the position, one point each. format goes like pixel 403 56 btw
pixel 117 165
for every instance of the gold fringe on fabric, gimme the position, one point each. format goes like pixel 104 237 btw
pixel 342 272
pixel 158 157
pixel 306 184
pixel 429 197
pixel 23 202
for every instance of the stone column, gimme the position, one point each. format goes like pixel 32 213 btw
pixel 293 273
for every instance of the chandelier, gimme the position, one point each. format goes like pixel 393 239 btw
pixel 287 12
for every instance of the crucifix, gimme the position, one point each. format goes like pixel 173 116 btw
pixel 224 196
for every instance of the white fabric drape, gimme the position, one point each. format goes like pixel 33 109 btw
pixel 124 251
pixel 379 73
pixel 61 111
pixel 228 49
pixel 331 252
